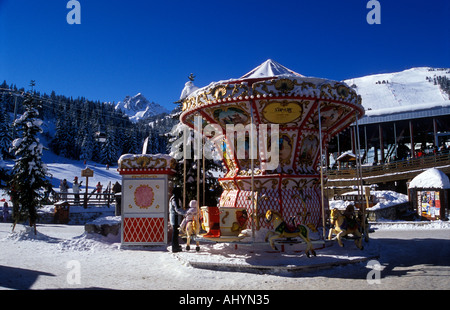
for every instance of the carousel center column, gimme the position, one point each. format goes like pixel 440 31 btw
pixel 145 190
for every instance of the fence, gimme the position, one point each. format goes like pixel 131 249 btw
pixel 83 199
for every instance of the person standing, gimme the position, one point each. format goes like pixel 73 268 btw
pixel 76 190
pixel 64 187
pixel 99 190
pixel 176 211
pixel 5 212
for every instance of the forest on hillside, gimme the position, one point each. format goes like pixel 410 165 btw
pixel 82 129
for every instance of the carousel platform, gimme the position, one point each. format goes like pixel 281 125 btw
pixel 260 258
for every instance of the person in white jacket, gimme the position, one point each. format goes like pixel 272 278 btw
pixel 76 190
pixel 190 216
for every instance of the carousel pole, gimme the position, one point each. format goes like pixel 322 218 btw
pixel 252 165
pixel 184 168
pixel 204 177
pixel 321 174
pixel 358 147
pixel 363 205
pixel 199 153
pixel 358 156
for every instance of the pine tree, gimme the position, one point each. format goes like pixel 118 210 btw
pixel 109 153
pixel 29 171
pixel 5 133
pixel 87 145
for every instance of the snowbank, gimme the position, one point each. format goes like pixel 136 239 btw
pixel 383 199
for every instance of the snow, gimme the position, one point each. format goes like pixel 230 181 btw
pixel 349 153
pixel 61 168
pixel 188 89
pixel 270 68
pixel 383 199
pixel 431 178
pixel 404 91
pixel 44 262
pixel 138 107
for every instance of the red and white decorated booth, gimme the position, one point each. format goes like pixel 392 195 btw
pixel 145 200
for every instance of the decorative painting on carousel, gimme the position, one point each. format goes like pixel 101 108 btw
pixel 307 153
pixel 144 209
pixel 230 116
pixel 330 113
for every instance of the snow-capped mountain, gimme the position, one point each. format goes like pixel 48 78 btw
pixel 406 91
pixel 138 107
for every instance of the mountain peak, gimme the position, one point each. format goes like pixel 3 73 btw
pixel 138 107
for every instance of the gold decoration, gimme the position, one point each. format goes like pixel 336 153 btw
pixel 282 112
pixel 284 85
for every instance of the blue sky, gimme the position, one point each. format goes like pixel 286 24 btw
pixel 125 47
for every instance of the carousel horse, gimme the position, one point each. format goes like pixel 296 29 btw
pixel 283 230
pixel 191 225
pixel 344 226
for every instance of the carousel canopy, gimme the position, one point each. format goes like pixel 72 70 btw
pixel 270 68
pixel 286 83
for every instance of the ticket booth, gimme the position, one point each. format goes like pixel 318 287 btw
pixel 145 200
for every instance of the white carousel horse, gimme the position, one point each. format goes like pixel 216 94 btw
pixel 344 226
pixel 191 225
pixel 283 230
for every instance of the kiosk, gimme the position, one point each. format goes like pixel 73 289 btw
pixel 145 198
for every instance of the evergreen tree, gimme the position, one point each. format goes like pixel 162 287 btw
pixel 29 172
pixel 5 133
pixel 87 146
pixel 109 153
pixel 130 144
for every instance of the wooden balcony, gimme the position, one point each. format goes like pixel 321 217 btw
pixel 395 171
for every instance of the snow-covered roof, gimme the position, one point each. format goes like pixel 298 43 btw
pixel 140 162
pixel 270 68
pixel 189 88
pixel 346 155
pixel 431 178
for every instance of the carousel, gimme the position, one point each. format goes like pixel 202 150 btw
pixel 285 121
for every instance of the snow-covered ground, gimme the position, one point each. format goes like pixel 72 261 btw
pixel 404 91
pixel 64 256
pixel 61 168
